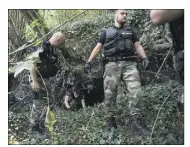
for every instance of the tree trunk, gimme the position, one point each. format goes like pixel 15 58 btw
pixel 32 15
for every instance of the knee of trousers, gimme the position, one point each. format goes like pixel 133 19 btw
pixel 136 92
pixel 110 89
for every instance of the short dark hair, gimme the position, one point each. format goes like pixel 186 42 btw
pixel 116 10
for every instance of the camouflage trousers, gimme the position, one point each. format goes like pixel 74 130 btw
pixel 39 106
pixel 124 71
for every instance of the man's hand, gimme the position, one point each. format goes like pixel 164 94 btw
pixel 66 101
pixel 87 68
pixel 145 63
pixel 83 103
pixel 35 86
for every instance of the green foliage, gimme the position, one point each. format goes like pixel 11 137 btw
pixel 38 42
pixel 88 126
pixel 29 33
pixel 36 23
pixel 56 17
pixel 50 119
pixel 49 122
pixel 30 30
pixel 28 64
pixel 13 141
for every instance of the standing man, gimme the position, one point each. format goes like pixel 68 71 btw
pixel 47 68
pixel 119 43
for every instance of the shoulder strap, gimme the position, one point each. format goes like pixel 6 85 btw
pixel 111 30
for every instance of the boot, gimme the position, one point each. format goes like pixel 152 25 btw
pixel 35 128
pixel 111 123
pixel 138 126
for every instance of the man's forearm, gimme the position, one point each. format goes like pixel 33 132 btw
pixel 83 103
pixel 140 51
pixel 33 74
pixel 66 101
pixel 95 52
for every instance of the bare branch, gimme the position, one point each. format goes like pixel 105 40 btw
pixel 160 110
pixel 171 45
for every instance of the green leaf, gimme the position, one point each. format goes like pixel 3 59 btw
pixel 13 141
pixel 28 65
pixel 37 43
pixel 34 23
pixel 102 141
pixel 50 120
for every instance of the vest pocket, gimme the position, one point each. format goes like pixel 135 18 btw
pixel 129 44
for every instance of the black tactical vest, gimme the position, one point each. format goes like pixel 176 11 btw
pixel 177 30
pixel 47 67
pixel 119 42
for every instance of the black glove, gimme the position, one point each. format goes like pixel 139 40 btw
pixel 87 68
pixel 145 63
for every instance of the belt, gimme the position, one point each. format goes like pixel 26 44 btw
pixel 121 58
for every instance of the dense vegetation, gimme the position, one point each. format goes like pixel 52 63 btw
pixel 87 126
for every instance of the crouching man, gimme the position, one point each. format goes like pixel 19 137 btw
pixel 74 99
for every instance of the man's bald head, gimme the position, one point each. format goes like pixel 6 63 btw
pixel 57 39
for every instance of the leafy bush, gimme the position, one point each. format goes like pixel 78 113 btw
pixel 88 126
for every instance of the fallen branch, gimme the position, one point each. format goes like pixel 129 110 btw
pixel 17 103
pixel 164 61
pixel 26 117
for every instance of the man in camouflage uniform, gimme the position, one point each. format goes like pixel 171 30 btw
pixel 47 68
pixel 119 43
pixel 175 18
